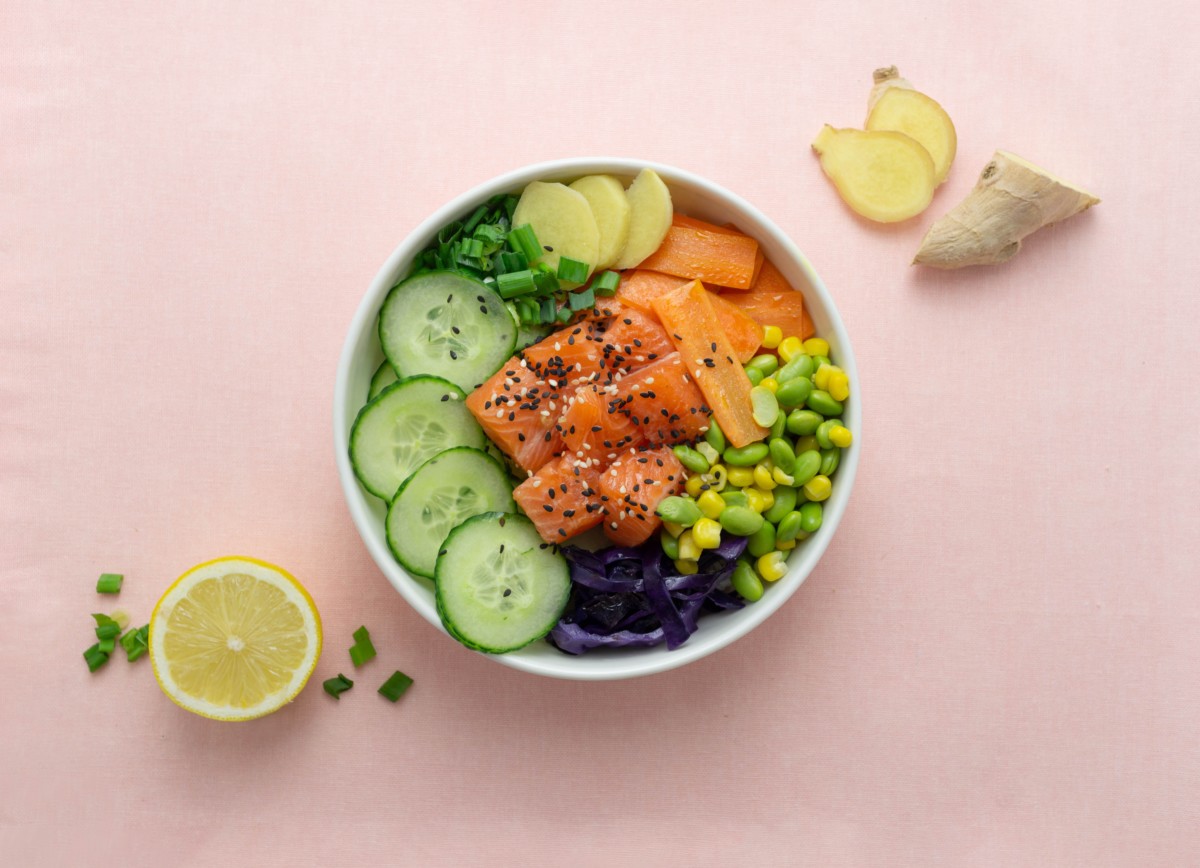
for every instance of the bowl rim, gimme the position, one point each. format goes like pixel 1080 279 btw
pixel 640 662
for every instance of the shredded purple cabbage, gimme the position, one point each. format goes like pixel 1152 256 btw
pixel 623 597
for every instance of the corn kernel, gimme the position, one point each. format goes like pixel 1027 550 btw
pixel 711 504
pixel 839 385
pixel 739 477
pixel 706 533
pixel 754 500
pixel 768 497
pixel 789 348
pixel 687 567
pixel 771 337
pixel 817 347
pixel 711 455
pixel 716 477
pixel 694 486
pixel 770 383
pixel 841 436
pixel 821 376
pixel 673 529
pixel 785 545
pixel 771 566
pixel 763 478
pixel 818 488
pixel 782 478
pixel 688 550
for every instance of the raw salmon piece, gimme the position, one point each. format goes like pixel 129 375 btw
pixel 518 412
pixel 664 401
pixel 631 488
pixel 562 499
pixel 590 429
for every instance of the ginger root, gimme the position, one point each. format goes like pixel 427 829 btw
pixel 894 104
pixel 884 176
pixel 1012 199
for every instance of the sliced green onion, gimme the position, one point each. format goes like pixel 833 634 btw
pixel 564 315
pixel 581 300
pixel 548 312
pixel 523 240
pixel 449 232
pixel 95 657
pixel 544 279
pixel 508 262
pixel 106 627
pixel 395 686
pixel 363 649
pixel 469 226
pixel 490 236
pixel 515 283
pixel 606 283
pixel 109 583
pixel 107 645
pixel 572 270
pixel 335 687
pixel 135 642
pixel 510 206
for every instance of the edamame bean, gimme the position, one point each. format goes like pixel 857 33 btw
pixel 794 393
pixel 670 545
pixel 745 456
pixel 766 364
pixel 764 406
pixel 755 376
pixel 811 516
pixel 780 426
pixel 803 422
pixel 830 458
pixel 679 510
pixel 820 360
pixel 799 366
pixel 715 436
pixel 746 582
pixel 690 458
pixel 808 465
pixel 789 527
pixel 782 454
pixel 741 520
pixel 823 403
pixel 803 444
pixel 762 540
pixel 823 430
pixel 785 502
pixel 735 497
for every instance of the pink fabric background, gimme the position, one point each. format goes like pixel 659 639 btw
pixel 995 664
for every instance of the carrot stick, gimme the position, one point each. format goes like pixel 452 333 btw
pixel 773 301
pixel 711 254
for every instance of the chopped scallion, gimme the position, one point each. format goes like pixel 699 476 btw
pixel 449 232
pixel 581 300
pixel 395 686
pixel 572 270
pixel 474 219
pixel 363 648
pixel 335 687
pixel 548 312
pixel 544 279
pixel 95 657
pixel 106 627
pixel 523 240
pixel 606 283
pixel 564 315
pixel 107 645
pixel 135 642
pixel 515 283
pixel 109 583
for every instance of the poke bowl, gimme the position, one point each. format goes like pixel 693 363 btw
pixel 658 539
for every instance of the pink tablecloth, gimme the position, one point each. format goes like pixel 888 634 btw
pixel 995 664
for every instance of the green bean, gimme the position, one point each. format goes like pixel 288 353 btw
pixel 745 456
pixel 823 403
pixel 679 510
pixel 830 459
pixel 741 520
pixel 823 432
pixel 764 406
pixel 670 545
pixel 808 465
pixel 811 516
pixel 762 540
pixel 785 502
pixel 766 364
pixel 789 527
pixel 782 454
pixel 715 436
pixel 800 366
pixel 803 421
pixel 755 376
pixel 690 458
pixel 746 582
pixel 794 393
pixel 735 497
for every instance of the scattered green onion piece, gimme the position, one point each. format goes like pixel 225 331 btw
pixel 335 687
pixel 581 300
pixel 515 283
pixel 95 658
pixel 363 649
pixel 572 270
pixel 523 240
pixel 134 642
pixel 107 645
pixel 474 219
pixel 106 628
pixel 449 232
pixel 606 283
pixel 109 583
pixel 395 686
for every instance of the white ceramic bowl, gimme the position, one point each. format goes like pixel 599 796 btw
pixel 696 197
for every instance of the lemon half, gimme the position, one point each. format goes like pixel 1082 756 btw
pixel 234 639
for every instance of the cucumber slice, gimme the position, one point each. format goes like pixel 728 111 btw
pixel 383 377
pixel 441 494
pixel 406 424
pixel 446 324
pixel 499 587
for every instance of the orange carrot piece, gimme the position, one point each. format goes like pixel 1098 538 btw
pixel 743 330
pixel 688 315
pixel 713 255
pixel 639 288
pixel 772 301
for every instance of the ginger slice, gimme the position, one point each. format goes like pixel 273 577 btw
pixel 1012 199
pixel 896 105
pixel 884 176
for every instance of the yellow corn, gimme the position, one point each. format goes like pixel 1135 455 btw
pixel 763 478
pixel 686 567
pixel 754 499
pixel 706 533
pixel 770 383
pixel 712 456
pixel 673 529
pixel 768 497
pixel 711 504
pixel 816 347
pixel 694 486
pixel 785 545
pixel 782 478
pixel 840 435
pixel 839 385
pixel 818 488
pixel 821 376
pixel 789 348
pixel 715 477
pixel 772 335
pixel 739 477
pixel 688 550
pixel 771 566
